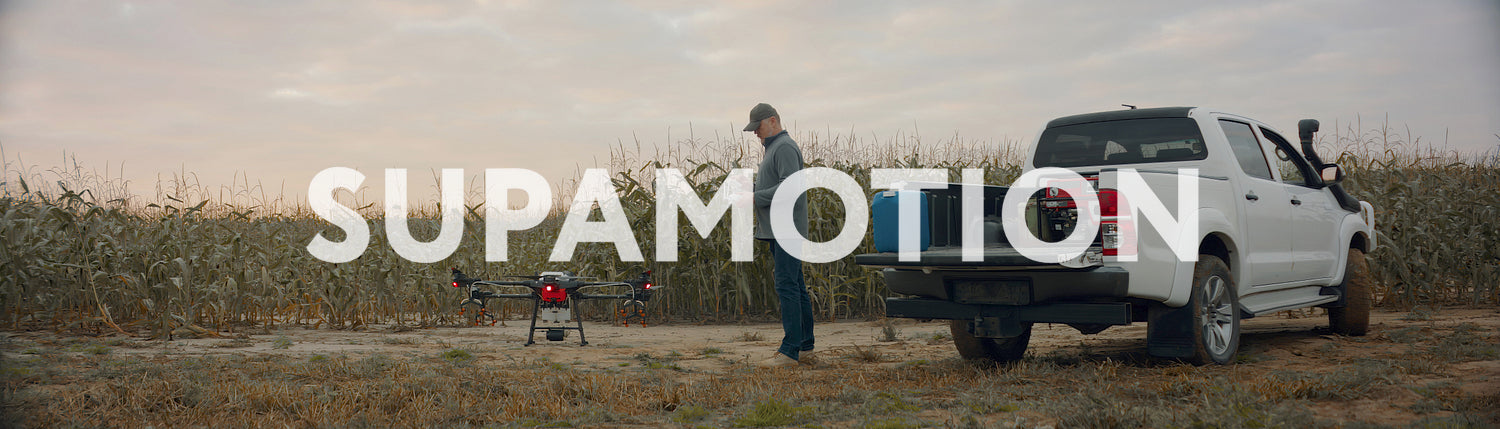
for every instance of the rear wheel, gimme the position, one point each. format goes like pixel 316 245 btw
pixel 1354 317
pixel 993 349
pixel 1216 317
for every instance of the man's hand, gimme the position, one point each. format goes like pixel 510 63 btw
pixel 745 198
pixel 744 190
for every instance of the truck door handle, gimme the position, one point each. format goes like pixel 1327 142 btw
pixel 1252 197
pixel 1296 202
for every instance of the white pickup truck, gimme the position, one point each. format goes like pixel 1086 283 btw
pixel 1275 232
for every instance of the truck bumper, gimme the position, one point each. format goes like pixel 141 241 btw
pixel 1109 313
pixel 1009 287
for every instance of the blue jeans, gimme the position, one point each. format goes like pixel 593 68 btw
pixel 796 306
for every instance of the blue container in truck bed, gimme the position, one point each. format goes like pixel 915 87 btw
pixel 885 220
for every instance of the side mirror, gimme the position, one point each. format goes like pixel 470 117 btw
pixel 1332 174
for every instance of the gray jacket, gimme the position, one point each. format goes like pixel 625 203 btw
pixel 782 159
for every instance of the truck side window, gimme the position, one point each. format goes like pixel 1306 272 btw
pixel 1286 159
pixel 1246 149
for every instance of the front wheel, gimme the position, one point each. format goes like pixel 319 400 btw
pixel 1353 318
pixel 994 349
pixel 1216 317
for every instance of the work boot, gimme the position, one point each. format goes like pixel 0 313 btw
pixel 806 356
pixel 779 360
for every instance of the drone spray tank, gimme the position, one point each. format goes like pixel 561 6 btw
pixel 554 306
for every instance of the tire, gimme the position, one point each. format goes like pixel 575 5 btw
pixel 1000 350
pixel 1353 319
pixel 471 313
pixel 1216 316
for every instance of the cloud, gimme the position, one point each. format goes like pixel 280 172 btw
pixel 284 90
pixel 289 93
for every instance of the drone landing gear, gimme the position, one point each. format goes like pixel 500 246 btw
pixel 475 312
pixel 633 310
pixel 554 333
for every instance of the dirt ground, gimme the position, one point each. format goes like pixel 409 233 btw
pixel 1283 340
pixel 1285 343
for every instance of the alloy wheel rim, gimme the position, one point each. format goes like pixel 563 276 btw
pixel 1217 315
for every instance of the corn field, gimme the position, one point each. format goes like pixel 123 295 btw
pixel 78 252
pixel 1437 216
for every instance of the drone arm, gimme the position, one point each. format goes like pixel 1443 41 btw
pixel 515 295
pixel 581 295
pixel 502 283
pixel 582 291
pixel 517 289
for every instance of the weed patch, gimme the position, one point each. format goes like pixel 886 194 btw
pixel 774 412
pixel 1346 382
pixel 888 332
pixel 282 342
pixel 690 414
pixel 864 354
pixel 456 356
pixel 749 337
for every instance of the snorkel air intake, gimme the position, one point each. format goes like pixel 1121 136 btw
pixel 1306 128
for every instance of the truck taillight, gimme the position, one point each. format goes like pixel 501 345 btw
pixel 1110 238
pixel 1109 203
pixel 1117 231
pixel 1109 222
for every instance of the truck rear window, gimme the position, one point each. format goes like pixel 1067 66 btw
pixel 1131 141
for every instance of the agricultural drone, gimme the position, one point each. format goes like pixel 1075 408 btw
pixel 552 295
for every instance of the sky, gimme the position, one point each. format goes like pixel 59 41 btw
pixel 277 91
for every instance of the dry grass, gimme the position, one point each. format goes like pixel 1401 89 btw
pixel 46 381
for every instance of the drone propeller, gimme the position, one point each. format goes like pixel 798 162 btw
pixel 524 277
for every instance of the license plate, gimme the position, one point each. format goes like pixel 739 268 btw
pixel 1004 292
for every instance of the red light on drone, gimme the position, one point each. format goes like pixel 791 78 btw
pixel 552 293
pixel 648 286
pixel 455 284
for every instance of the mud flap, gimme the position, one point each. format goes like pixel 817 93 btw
pixel 1169 331
pixel 1336 290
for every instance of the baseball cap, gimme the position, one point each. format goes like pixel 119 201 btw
pixel 759 113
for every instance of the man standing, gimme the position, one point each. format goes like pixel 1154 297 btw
pixel 781 160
